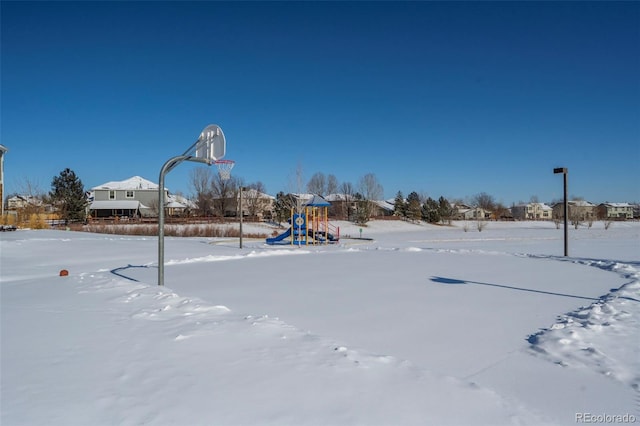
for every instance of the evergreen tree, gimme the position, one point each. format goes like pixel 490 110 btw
pixel 444 210
pixel 283 206
pixel 399 205
pixel 363 208
pixel 67 194
pixel 430 211
pixel 413 206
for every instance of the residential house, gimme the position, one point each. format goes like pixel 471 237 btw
pixel 382 208
pixel 458 210
pixel 342 205
pixel 615 211
pixel 578 210
pixel 179 206
pixel 19 202
pixel 257 204
pixel 133 197
pixel 475 213
pixel 532 211
pixel 465 212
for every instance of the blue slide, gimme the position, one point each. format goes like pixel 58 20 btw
pixel 280 237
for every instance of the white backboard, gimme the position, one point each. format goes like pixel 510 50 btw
pixel 211 144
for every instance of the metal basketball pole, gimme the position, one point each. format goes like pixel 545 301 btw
pixel 204 150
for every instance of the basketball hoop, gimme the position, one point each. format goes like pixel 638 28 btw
pixel 224 168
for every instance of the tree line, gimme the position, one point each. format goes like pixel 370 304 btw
pixel 67 198
pixel 214 196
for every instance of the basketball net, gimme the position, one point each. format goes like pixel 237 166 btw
pixel 224 168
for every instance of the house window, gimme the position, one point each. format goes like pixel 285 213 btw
pixel 112 195
pixel 129 194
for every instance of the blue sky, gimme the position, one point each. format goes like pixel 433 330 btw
pixel 441 98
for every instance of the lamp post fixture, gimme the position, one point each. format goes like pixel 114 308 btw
pixel 565 172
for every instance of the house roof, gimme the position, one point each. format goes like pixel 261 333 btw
pixel 185 202
pixel 176 205
pixel 117 205
pixel 336 197
pixel 542 206
pixel 26 199
pixel 317 201
pixel 253 193
pixel 133 183
pixel 384 205
pixel 617 204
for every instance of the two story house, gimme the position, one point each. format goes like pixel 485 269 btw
pixel 615 211
pixel 131 198
pixel 532 211
pixel 578 210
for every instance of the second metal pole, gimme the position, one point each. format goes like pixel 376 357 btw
pixel 566 217
pixel 241 216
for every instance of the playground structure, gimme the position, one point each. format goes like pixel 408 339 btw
pixel 310 226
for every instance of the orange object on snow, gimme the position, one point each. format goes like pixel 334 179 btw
pixel 64 273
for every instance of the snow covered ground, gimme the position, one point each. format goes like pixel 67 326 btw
pixel 422 325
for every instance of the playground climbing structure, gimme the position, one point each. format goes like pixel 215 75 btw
pixel 310 226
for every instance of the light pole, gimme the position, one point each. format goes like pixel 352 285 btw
pixel 209 147
pixel 3 149
pixel 565 172
pixel 241 189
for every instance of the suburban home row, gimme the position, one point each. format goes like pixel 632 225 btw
pixel 137 197
pixel 579 210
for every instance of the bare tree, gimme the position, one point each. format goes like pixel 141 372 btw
pixel 34 199
pixel 200 180
pixel 317 184
pixel 224 193
pixel 296 185
pixel 370 191
pixel 484 201
pixel 346 188
pixel 370 188
pixel 575 218
pixel 332 184
pixel 255 199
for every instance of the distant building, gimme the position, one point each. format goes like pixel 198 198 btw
pixel 578 210
pixel 256 204
pixel 466 212
pixel 130 198
pixel 532 211
pixel 19 202
pixel 615 211
pixel 471 213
